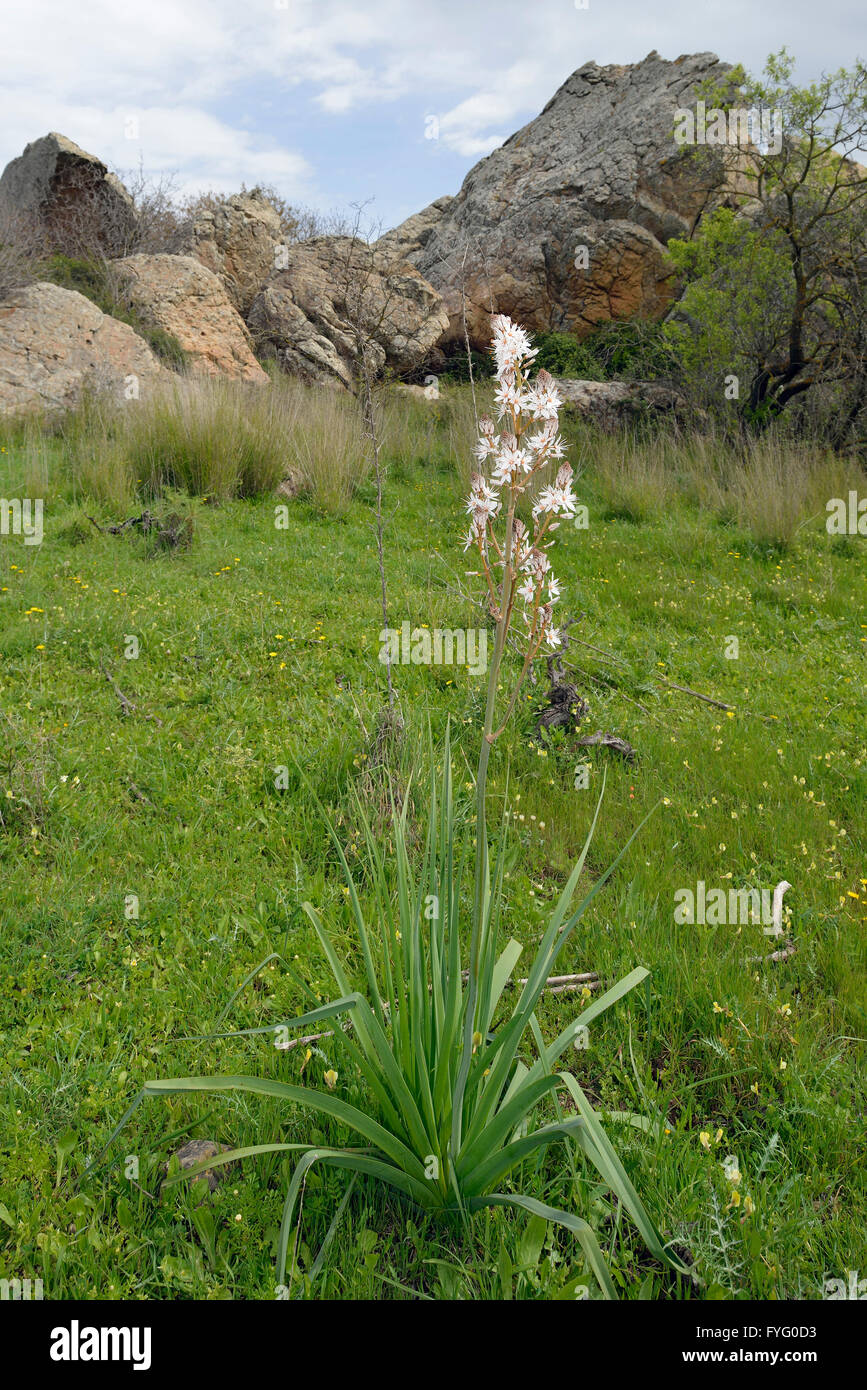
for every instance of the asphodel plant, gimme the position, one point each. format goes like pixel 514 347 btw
pixel 452 1062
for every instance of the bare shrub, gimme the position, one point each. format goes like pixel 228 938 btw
pixel 158 216
pixel 21 252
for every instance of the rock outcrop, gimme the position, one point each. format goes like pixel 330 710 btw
pixel 55 344
pixel 67 197
pixel 563 227
pixel 597 169
pixel 238 238
pixel 409 239
pixel 306 314
pixel 181 296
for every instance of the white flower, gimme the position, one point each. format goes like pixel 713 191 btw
pixel 546 443
pixel 508 397
pixel 511 344
pixel 483 497
pixel 557 500
pixel 516 453
pixel 556 448
pixel 478 529
pixel 543 400
pixel 511 460
pixel 537 443
pixel 527 590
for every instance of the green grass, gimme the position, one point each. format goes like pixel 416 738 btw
pixel 258 647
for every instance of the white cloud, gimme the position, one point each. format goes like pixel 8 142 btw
pixel 477 125
pixel 484 66
pixel 187 141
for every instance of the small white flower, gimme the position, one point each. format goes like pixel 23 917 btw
pixel 483 498
pixel 511 460
pixel 511 344
pixel 527 590
pixel 556 501
pixel 508 397
pixel 543 400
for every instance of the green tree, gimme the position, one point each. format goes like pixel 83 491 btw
pixel 777 291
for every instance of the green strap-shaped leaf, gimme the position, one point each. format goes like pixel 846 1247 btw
pixel 382 1139
pixel 601 1153
pixel 420 1191
pixel 498 1163
pixel 554 1050
pixel 501 975
pixel 576 1224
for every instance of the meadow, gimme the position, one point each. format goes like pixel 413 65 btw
pixel 158 834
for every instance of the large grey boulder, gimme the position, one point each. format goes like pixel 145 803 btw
pixel 55 345
pixel 67 197
pixel 310 312
pixel 597 169
pixel 409 239
pixel 239 239
pixel 613 405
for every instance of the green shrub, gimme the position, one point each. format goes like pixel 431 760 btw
pixel 562 354
pixel 634 349
pixel 457 372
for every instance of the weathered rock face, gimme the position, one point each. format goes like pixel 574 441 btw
pixel 413 235
pixel 611 405
pixel 306 312
pixel 68 197
pixel 598 168
pixel 54 344
pixel 238 239
pixel 178 294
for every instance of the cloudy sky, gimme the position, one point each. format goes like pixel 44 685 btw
pixel 337 102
